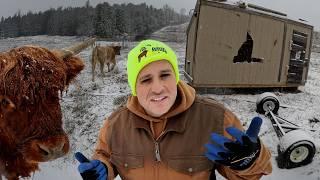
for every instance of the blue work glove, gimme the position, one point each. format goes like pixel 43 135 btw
pixel 91 170
pixel 239 154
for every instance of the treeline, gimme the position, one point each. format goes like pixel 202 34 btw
pixel 104 20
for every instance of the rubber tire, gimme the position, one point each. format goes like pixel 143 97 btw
pixel 289 142
pixel 267 98
pixel 285 156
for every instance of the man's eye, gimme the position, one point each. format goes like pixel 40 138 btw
pixel 145 80
pixel 165 75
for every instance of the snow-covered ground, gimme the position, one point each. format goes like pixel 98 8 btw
pixel 86 104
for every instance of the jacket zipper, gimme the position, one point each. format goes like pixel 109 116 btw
pixel 157 149
pixel 157 152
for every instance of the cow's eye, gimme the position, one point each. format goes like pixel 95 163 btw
pixel 4 102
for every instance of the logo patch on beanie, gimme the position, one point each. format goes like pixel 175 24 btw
pixel 159 49
pixel 143 53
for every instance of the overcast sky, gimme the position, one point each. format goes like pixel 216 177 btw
pixel 305 9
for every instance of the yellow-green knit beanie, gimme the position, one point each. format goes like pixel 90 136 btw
pixel 145 52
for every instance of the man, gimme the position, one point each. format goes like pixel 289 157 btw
pixel 164 130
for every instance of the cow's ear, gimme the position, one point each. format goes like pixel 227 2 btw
pixel 6 104
pixel 74 66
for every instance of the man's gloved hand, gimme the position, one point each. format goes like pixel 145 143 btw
pixel 239 154
pixel 91 170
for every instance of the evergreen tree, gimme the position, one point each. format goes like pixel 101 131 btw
pixel 98 21
pixel 119 20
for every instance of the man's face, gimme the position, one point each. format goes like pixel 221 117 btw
pixel 156 88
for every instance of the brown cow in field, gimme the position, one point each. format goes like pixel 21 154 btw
pixel 105 55
pixel 30 116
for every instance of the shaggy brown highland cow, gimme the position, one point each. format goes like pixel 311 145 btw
pixel 31 80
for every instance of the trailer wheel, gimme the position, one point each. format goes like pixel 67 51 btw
pixel 297 149
pixel 267 102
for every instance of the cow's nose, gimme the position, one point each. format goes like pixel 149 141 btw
pixel 52 152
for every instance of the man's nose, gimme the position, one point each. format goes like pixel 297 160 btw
pixel 157 86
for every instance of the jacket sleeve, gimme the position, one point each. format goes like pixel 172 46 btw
pixel 262 165
pixel 102 151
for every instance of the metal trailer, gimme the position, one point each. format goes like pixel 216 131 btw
pixel 296 148
pixel 238 45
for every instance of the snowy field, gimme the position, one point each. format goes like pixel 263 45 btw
pixel 86 104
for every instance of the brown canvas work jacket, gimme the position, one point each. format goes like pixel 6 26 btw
pixel 139 147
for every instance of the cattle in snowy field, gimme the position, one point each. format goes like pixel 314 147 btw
pixel 104 55
pixel 31 81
